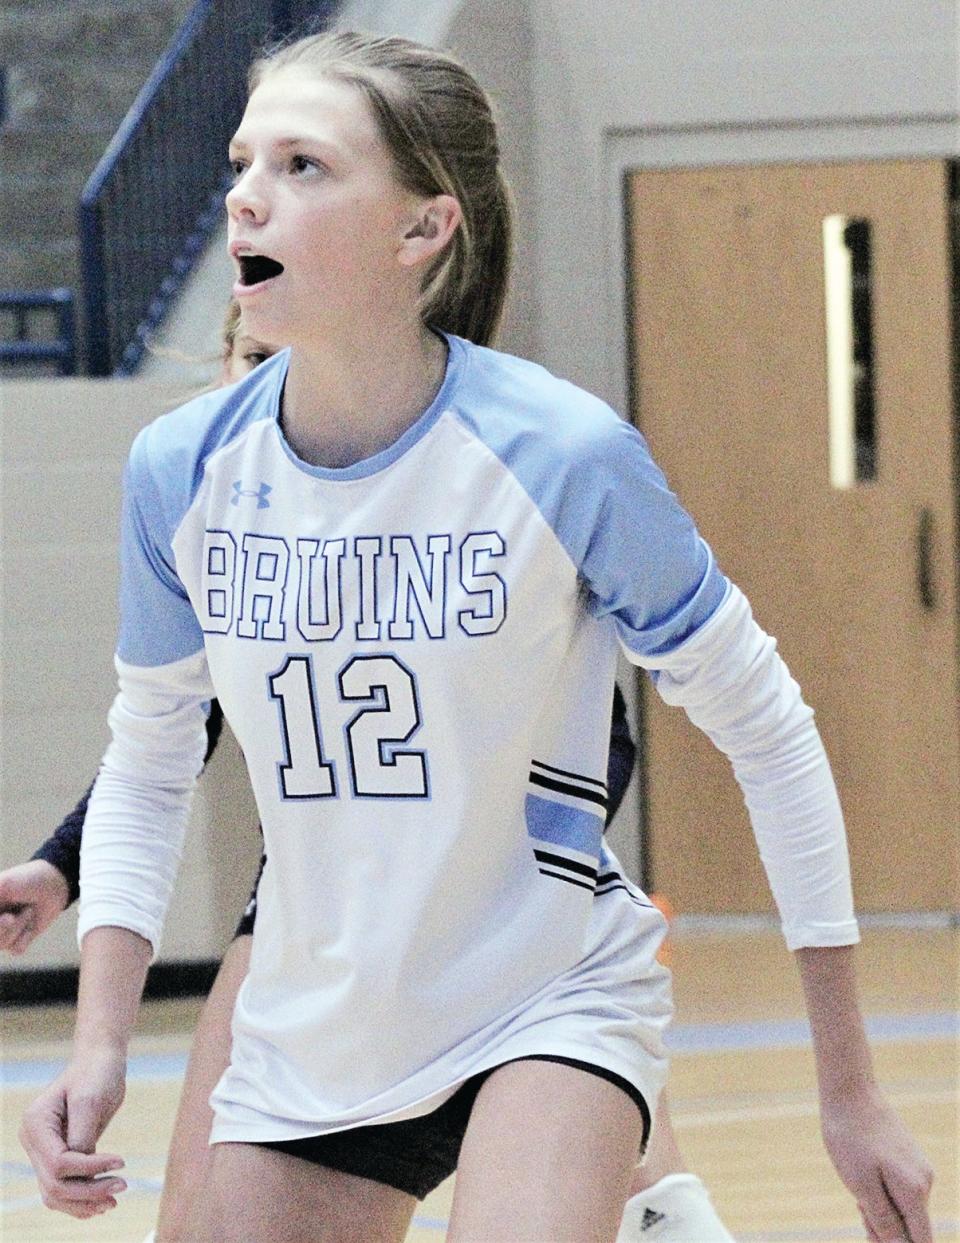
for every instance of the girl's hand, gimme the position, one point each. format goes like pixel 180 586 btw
pixel 60 1130
pixel 881 1165
pixel 32 895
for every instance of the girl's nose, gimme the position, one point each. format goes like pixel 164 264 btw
pixel 244 199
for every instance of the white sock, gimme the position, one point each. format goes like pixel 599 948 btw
pixel 677 1209
pixel 150 1237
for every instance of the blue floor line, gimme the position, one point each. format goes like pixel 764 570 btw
pixel 684 1038
pixel 156 1068
pixel 815 1234
pixel 431 1223
pixel 774 1033
pixel 10 1170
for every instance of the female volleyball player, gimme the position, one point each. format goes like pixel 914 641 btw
pixel 663 1192
pixel 403 563
pixel 667 1202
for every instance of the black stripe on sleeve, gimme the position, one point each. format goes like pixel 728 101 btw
pixel 632 896
pixel 581 884
pixel 560 861
pixel 562 787
pixel 562 772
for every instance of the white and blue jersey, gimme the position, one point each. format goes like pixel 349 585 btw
pixel 416 654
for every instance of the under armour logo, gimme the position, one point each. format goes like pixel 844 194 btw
pixel 650 1218
pixel 260 493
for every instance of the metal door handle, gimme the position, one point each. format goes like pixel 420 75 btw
pixel 925 584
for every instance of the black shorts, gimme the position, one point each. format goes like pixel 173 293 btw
pixel 416 1155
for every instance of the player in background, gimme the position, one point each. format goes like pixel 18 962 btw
pixel 363 173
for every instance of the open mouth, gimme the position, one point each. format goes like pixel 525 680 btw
pixel 255 269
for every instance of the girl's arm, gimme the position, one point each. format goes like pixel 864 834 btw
pixel 646 566
pixel 136 819
pixel 60 1129
pixel 733 685
pixel 32 895
pixel 131 848
pixel 872 1151
pixel 62 847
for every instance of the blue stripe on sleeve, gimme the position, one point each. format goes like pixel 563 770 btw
pixel 562 825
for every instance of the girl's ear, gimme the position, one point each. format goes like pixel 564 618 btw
pixel 436 221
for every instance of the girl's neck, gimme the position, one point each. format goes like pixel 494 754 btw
pixel 345 401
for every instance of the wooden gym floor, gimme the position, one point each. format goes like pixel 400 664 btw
pixel 742 1088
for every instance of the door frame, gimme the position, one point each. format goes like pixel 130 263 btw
pixel 638 150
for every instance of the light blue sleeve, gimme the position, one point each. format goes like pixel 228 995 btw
pixel 644 563
pixel 164 474
pixel 157 623
pixel 590 474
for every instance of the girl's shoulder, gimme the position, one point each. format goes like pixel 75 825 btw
pixel 497 374
pixel 177 445
pixel 507 400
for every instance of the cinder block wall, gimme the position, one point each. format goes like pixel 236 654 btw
pixel 64 443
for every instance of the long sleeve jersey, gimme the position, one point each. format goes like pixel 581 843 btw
pixel 417 655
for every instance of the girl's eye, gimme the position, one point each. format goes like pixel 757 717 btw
pixel 237 167
pixel 300 164
pixel 254 359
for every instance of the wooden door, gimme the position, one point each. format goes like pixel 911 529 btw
pixel 858 583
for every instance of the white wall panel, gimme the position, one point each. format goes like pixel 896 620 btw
pixel 731 62
pixel 64 443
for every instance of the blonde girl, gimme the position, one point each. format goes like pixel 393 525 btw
pixel 404 564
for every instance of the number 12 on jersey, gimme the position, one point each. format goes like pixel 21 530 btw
pixel 389 717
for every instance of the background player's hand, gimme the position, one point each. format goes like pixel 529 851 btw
pixel 32 895
pixel 60 1130
pixel 881 1165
